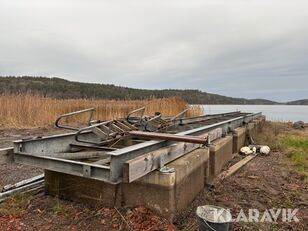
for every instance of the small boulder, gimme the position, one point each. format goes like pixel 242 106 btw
pixel 298 125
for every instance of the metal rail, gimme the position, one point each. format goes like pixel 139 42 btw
pixel 90 128
pixel 91 110
pixel 136 120
pixel 28 185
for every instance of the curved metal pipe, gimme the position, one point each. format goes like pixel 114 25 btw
pixel 71 114
pixel 128 118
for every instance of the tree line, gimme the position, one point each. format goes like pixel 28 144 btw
pixel 63 89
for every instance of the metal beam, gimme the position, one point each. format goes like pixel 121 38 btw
pixel 142 165
pixel 75 155
pixel 76 168
pixel 172 137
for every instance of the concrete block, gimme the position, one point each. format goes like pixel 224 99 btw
pixel 207 179
pixel 82 189
pixel 239 138
pixel 169 193
pixel 220 155
pixel 190 173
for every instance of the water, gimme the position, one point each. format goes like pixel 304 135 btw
pixel 283 113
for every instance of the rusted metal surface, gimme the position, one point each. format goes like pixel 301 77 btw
pixel 172 137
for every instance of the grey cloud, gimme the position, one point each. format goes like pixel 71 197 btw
pixel 253 49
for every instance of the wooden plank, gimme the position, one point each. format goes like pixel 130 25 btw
pixel 234 168
pixel 6 155
pixel 173 137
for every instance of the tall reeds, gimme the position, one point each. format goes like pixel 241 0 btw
pixel 26 111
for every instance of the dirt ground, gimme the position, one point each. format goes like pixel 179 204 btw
pixel 266 182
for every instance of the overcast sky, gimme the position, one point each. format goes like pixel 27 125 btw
pixel 251 49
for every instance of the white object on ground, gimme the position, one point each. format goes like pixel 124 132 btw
pixel 265 150
pixel 246 150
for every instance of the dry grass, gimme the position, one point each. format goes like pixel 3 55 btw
pixel 15 204
pixel 27 111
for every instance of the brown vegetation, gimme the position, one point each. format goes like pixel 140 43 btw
pixel 23 212
pixel 22 111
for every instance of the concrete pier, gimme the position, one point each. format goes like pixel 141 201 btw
pixel 239 138
pixel 82 189
pixel 169 193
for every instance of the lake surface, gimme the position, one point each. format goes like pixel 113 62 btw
pixel 283 113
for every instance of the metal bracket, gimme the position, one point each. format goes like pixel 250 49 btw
pixel 161 161
pixel 166 169
pixel 163 168
pixel 86 171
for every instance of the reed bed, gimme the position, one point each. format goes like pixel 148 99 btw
pixel 29 111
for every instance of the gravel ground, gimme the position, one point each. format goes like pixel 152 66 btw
pixel 12 173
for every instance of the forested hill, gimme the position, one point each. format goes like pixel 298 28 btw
pixel 299 102
pixel 61 88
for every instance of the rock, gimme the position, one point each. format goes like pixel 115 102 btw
pixel 298 125
pixel 265 150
